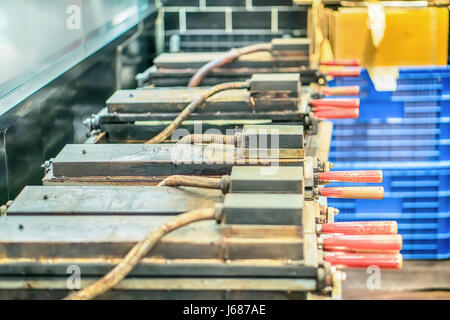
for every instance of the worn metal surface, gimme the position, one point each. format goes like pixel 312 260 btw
pixel 254 284
pixel 166 101
pixel 137 160
pixel 309 166
pixel 273 141
pixel 254 60
pixel 111 200
pixel 270 209
pixel 161 267
pixel 47 294
pixel 263 180
pixel 176 99
pixel 152 160
pixel 143 130
pixel 273 136
pixel 118 166
pixel 275 82
pixel 124 127
pixel 113 236
pixel 319 145
pixel 284 115
pixel 162 77
pixel 50 180
pixel 288 45
pixel 310 213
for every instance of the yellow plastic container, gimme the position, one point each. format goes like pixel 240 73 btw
pixel 414 36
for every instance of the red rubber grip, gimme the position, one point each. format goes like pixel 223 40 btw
pixel 340 103
pixel 339 91
pixel 374 176
pixel 343 72
pixel 336 113
pixel 342 62
pixel 329 109
pixel 363 243
pixel 365 260
pixel 353 192
pixel 361 227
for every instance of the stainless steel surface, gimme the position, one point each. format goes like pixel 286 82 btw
pixel 72 85
pixel 111 200
pixel 42 39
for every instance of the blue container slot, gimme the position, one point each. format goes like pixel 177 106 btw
pixel 406 133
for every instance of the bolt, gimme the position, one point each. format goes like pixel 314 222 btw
pixel 46 164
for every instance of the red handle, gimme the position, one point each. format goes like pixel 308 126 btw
pixel 365 260
pixel 375 176
pixel 363 243
pixel 336 113
pixel 339 91
pixel 343 72
pixel 353 192
pixel 360 227
pixel 342 62
pixel 340 103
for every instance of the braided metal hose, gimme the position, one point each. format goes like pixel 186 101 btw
pixel 196 181
pixel 186 113
pixel 227 58
pixel 190 181
pixel 209 138
pixel 140 250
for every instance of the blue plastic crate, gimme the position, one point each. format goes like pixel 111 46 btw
pixel 435 150
pixel 406 133
pixel 379 165
pixel 422 87
pixel 392 139
pixel 405 107
pixel 418 80
pixel 399 177
pixel 392 128
pixel 417 196
pixel 420 92
pixel 425 247
pixel 432 106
